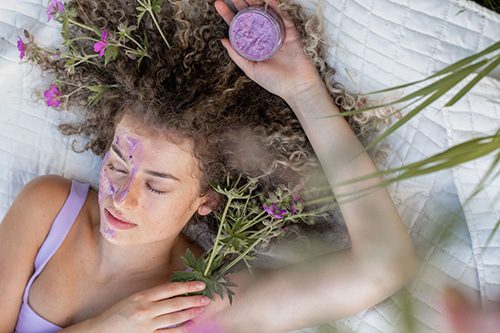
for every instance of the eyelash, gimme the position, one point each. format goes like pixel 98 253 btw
pixel 147 185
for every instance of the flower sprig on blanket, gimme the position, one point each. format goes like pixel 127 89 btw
pixel 247 220
pixel 104 45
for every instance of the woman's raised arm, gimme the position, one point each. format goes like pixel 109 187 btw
pixel 338 284
pixel 334 285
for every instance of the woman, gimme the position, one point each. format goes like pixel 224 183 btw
pixel 107 276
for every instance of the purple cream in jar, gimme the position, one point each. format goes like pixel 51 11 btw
pixel 257 32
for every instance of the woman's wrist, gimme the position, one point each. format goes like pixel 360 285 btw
pixel 306 94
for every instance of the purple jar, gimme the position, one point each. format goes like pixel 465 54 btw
pixel 257 32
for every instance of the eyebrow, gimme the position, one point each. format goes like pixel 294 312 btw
pixel 150 172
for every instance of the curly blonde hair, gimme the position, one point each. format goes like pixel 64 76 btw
pixel 194 90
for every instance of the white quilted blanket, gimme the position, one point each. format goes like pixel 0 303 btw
pixel 375 44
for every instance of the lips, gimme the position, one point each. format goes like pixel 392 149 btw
pixel 118 217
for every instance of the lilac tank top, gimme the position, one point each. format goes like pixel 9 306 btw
pixel 29 321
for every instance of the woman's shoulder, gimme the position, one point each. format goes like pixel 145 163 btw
pixel 45 196
pixel 49 184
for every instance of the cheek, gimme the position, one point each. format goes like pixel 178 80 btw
pixel 169 212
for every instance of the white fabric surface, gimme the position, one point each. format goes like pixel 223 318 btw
pixel 375 44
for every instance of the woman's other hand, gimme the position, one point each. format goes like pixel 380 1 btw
pixel 155 310
pixel 289 71
pixel 465 317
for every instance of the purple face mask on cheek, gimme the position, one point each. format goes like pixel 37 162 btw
pixel 110 188
pixel 134 156
pixel 106 188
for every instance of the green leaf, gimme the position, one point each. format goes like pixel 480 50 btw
pixel 156 6
pixel 451 157
pixel 422 92
pixel 179 276
pixel 99 93
pixel 141 11
pixel 111 53
pixel 451 68
pixel 497 225
pixel 444 86
pixel 460 153
pixel 472 83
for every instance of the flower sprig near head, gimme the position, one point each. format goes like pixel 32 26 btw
pixel 21 46
pixel 53 97
pixel 275 211
pixel 29 50
pixel 55 6
pixel 286 205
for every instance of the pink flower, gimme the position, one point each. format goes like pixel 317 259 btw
pixel 52 8
pixel 21 47
pixel 101 45
pixel 52 96
pixel 274 211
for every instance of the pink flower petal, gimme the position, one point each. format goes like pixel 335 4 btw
pixel 52 8
pixel 54 89
pixel 60 6
pixel 98 46
pixel 21 47
pixel 48 94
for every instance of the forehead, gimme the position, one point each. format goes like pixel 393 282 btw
pixel 158 152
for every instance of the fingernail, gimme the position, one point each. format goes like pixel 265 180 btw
pixel 200 285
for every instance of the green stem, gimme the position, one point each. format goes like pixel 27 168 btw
pixel 71 93
pixel 81 25
pixel 83 38
pixel 125 47
pixel 254 221
pixel 214 249
pixel 136 43
pixel 158 26
pixel 84 59
pixel 242 255
pixel 68 83
pixel 319 200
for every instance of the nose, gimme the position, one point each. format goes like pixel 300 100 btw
pixel 128 195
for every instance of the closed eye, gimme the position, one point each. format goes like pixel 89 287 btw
pixel 111 167
pixel 155 191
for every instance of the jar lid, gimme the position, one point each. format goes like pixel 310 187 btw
pixel 257 32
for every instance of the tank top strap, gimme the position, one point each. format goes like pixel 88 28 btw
pixel 62 224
